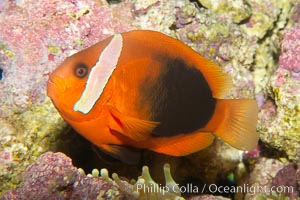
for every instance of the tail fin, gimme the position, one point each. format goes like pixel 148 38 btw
pixel 237 124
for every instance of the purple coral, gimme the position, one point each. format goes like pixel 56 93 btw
pixel 53 176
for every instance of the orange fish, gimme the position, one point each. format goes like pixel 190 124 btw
pixel 146 90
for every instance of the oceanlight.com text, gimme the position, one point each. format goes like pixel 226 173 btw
pixel 213 189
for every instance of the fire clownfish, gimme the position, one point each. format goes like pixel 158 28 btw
pixel 146 90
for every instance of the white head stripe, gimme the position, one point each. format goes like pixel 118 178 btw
pixel 100 75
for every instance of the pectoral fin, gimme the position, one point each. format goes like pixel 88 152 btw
pixel 136 129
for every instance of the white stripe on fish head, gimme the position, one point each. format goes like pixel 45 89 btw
pixel 100 75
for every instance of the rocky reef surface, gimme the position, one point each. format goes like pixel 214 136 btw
pixel 53 176
pixel 280 116
pixel 256 42
pixel 34 38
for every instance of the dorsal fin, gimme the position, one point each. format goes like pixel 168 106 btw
pixel 219 81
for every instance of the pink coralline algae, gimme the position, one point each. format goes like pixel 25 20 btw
pixel 290 59
pixel 262 174
pixel 280 118
pixel 289 177
pixel 36 36
pixel 53 176
pixel 216 37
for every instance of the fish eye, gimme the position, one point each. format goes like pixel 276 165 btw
pixel 80 70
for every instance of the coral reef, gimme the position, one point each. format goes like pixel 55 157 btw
pixel 265 16
pixel 30 48
pixel 238 11
pixel 22 142
pixel 218 38
pixel 267 24
pixel 290 48
pixel 208 197
pixel 260 179
pixel 280 119
pixel 272 179
pixel 53 176
pixel 289 177
pixel 146 188
pixel 156 15
pixel 242 36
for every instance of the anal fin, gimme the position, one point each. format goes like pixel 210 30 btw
pixel 182 145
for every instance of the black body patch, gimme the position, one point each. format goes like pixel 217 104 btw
pixel 181 99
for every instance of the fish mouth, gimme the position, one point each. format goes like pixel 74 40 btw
pixel 55 84
pixel 51 88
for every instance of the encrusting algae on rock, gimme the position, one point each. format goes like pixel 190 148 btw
pixel 31 47
pixel 53 176
pixel 26 137
pixel 238 11
pixel 244 38
pixel 280 118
